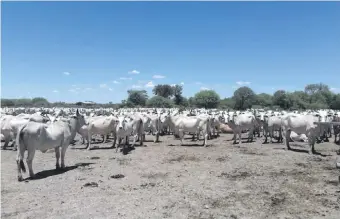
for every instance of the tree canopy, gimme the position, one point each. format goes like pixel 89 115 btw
pixel 244 98
pixel 137 97
pixel 163 90
pixel 207 99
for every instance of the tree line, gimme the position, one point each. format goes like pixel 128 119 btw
pixel 314 96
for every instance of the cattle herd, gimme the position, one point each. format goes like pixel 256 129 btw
pixel 42 129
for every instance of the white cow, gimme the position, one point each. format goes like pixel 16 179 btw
pixel 127 126
pixel 241 122
pixel 38 136
pixel 301 124
pixel 272 123
pixel 103 125
pixel 181 124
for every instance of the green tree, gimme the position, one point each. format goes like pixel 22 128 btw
pixel 191 101
pixel 280 99
pixel 207 99
pixel 136 98
pixel 177 92
pixel 23 102
pixel 319 94
pixel 7 102
pixel 244 98
pixel 335 102
pixel 158 101
pixel 227 103
pixel 297 100
pixel 264 100
pixel 40 101
pixel 163 90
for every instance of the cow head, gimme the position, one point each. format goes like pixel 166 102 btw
pixel 80 119
pixel 121 122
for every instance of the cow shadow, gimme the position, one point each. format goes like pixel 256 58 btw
pixel 186 145
pixel 127 149
pixel 54 172
pixel 306 152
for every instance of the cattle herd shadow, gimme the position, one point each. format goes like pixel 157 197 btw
pixel 53 172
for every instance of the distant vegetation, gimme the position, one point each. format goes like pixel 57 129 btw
pixel 314 96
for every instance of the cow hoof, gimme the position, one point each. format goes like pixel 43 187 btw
pixel 20 178
pixel 57 167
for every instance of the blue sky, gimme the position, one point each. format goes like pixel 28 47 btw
pixel 76 51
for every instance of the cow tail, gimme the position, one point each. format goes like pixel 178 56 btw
pixel 21 150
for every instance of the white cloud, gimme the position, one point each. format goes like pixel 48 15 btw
pixel 182 83
pixel 66 73
pixel 103 85
pixel 73 91
pixel 149 84
pixel 134 72
pixel 87 89
pixel 243 83
pixel 198 83
pixel 55 91
pixel 334 89
pixel 110 89
pixel 124 78
pixel 158 76
pixel 116 82
pixel 74 85
pixel 204 88
pixel 136 86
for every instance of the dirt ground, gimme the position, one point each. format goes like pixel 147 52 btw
pixel 165 180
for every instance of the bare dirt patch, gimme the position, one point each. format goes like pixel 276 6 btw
pixel 161 181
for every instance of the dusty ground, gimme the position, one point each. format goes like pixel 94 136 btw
pixel 162 181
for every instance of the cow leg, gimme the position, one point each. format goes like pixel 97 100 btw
pixel 181 135
pixel 135 137
pixel 311 141
pixel 156 137
pixel 15 147
pixel 234 138
pixel 104 138
pixel 193 137
pixel 57 157
pixel 198 135
pixel 205 134
pixel 287 137
pixel 63 152
pixel 119 142
pixel 89 138
pixel 29 160
pixel 240 137
pixel 7 139
pixel 114 140
pixel 20 163
pixel 265 136
pixel 280 135
pixel 271 133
